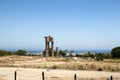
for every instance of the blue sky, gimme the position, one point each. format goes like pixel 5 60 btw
pixel 74 24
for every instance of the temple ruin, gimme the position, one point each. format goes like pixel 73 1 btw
pixel 49 45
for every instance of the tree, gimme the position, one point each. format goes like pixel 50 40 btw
pixel 4 52
pixel 63 53
pixel 99 56
pixel 71 53
pixel 21 52
pixel 91 55
pixel 77 55
pixel 115 53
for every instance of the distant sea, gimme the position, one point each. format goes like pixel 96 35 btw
pixel 75 51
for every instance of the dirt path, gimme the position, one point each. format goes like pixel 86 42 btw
pixel 36 74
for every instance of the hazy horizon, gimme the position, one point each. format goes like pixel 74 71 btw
pixel 68 50
pixel 74 24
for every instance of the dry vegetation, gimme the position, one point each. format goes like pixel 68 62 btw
pixel 60 63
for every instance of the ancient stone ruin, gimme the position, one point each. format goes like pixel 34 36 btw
pixel 49 45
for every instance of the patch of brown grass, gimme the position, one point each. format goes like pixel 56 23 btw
pixel 59 63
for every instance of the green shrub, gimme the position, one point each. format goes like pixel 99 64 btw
pixel 21 52
pixel 4 52
pixel 115 53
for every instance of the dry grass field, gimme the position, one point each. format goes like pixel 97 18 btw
pixel 31 67
pixel 60 63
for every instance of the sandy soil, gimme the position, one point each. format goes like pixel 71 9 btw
pixel 36 74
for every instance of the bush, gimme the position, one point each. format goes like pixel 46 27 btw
pixel 99 57
pixel 100 69
pixel 62 53
pixel 21 52
pixel 115 53
pixel 3 53
pixel 54 67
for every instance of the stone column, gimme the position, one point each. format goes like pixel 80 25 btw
pixel 57 53
pixel 52 49
pixel 46 47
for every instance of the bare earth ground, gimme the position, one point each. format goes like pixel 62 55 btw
pixel 36 74
pixel 30 68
